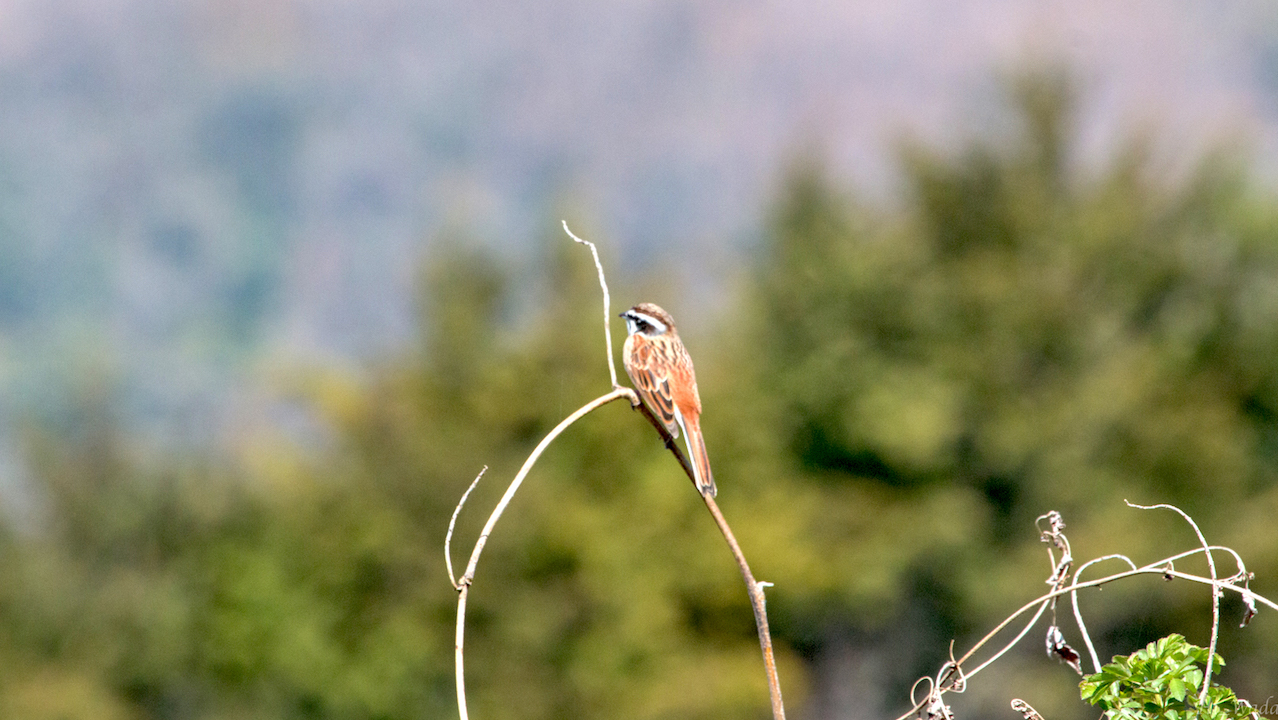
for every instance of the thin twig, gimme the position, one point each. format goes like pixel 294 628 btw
pixel 1242 568
pixel 1060 572
pixel 452 523
pixel 757 602
pixel 617 394
pixel 467 578
pixel 1078 615
pixel 607 313
pixel 1215 591
pixel 1028 626
pixel 1156 568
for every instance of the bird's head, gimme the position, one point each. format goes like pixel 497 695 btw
pixel 647 319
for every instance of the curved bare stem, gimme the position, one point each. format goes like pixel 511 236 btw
pixel 757 602
pixel 452 524
pixel 1078 615
pixel 1215 590
pixel 753 587
pixel 463 584
pixel 607 302
pixel 1047 601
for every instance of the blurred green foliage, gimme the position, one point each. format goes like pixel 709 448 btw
pixel 892 398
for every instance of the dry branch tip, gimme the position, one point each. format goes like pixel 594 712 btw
pixel 607 301
pixel 452 524
pixel 1215 590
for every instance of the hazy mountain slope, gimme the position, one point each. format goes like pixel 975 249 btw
pixel 184 187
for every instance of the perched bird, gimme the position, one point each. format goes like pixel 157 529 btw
pixel 661 370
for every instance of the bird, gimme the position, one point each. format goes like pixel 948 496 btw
pixel 662 372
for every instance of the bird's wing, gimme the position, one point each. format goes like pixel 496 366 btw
pixel 650 375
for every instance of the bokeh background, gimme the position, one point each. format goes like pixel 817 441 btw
pixel 278 277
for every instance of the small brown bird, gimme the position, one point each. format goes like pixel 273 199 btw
pixel 661 370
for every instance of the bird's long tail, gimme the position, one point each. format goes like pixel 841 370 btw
pixel 700 461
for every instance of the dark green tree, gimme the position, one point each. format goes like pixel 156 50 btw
pixel 1028 332
pixel 890 402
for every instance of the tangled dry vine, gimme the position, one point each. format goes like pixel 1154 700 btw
pixel 952 676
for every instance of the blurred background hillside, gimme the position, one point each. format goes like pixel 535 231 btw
pixel 277 278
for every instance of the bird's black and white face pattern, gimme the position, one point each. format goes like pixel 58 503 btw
pixel 643 323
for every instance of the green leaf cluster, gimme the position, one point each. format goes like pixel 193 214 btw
pixel 1162 682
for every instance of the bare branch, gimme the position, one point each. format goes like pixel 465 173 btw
pixel 1054 536
pixel 1046 600
pixel 757 602
pixel 1215 591
pixel 468 577
pixel 581 412
pixel 452 523
pixel 1162 568
pixel 607 302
